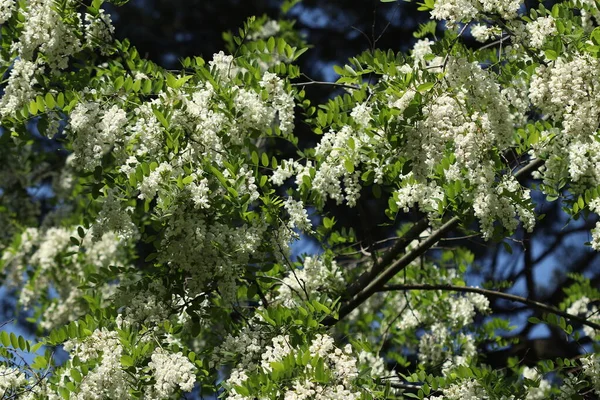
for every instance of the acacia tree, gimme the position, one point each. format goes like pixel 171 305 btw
pixel 148 214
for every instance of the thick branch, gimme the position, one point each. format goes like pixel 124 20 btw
pixel 413 233
pixel 380 274
pixel 492 293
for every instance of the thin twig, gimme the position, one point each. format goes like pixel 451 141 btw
pixel 323 83
pixel 491 293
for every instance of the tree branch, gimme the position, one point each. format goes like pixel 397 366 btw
pixel 322 83
pixel 373 280
pixel 492 293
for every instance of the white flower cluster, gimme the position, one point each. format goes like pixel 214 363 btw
pixel 489 124
pixel 455 11
pixel 47 31
pixel 107 379
pixel 427 196
pixel 150 185
pixel 317 274
pixel 308 390
pixel 468 389
pixel 582 307
pixel 6 9
pixel 375 362
pixel 94 132
pixel 172 372
pixel 446 344
pixel 145 136
pixel 540 30
pixel 482 33
pixel 432 345
pixel 440 347
pixel 20 89
pixel 223 66
pixel 362 114
pixel 595 207
pixel 195 242
pixel 59 268
pixel 542 388
pixel 462 309
pixel 276 352
pixel 282 101
pixel 146 308
pixel 421 49
pixel 332 178
pixel 257 353
pixel 402 102
pixel 269 28
pixel 339 362
pixel 113 217
pixel 591 369
pixel 298 215
pixel 12 381
pixel 99 31
pixel 339 156
pixel 249 344
pixel 196 239
pixel 568 91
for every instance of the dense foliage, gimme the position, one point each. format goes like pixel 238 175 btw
pixel 149 214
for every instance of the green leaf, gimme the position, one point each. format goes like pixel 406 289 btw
pixel 14 341
pixel 551 54
pixel 595 36
pixel 377 191
pixel 161 118
pixel 119 82
pixel 136 85
pixel 306 356
pixel 351 143
pixel 5 338
pixel 23 345
pixel 349 165
pixel 40 103
pixel 147 86
pixel 50 103
pixel 60 100
pixel 349 69
pixel 76 375
pixel 424 87
pixel 271 44
pixel 127 361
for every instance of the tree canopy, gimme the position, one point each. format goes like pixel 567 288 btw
pixel 150 213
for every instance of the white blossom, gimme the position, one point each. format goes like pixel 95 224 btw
pixel 99 31
pixel 20 89
pixel 11 381
pixel 540 30
pixel 172 372
pixel 6 9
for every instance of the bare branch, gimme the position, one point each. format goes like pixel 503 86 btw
pixel 492 293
